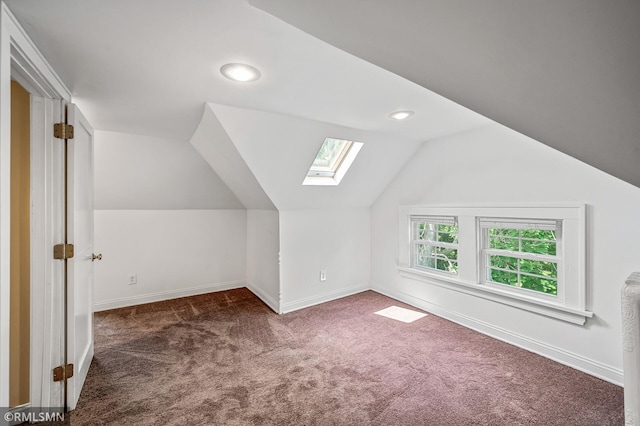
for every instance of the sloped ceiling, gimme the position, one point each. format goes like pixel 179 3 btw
pixel 562 72
pixel 279 150
pixel 215 146
pixel 147 67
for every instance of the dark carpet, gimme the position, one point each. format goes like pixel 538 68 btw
pixel 226 359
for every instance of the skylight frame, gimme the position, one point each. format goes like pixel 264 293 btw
pixel 334 162
pixel 333 173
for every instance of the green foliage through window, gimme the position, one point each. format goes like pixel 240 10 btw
pixel 524 258
pixel 435 245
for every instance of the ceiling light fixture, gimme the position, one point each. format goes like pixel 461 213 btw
pixel 240 72
pixel 401 115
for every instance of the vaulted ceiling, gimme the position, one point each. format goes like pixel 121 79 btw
pixel 564 72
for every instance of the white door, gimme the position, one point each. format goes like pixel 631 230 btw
pixel 80 266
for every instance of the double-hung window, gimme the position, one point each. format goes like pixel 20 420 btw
pixel 434 244
pixel 528 257
pixel 522 253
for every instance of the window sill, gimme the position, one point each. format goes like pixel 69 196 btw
pixel 553 310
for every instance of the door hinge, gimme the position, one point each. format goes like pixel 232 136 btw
pixel 63 251
pixel 62 372
pixel 63 131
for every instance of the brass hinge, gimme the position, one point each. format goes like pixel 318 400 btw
pixel 63 251
pixel 63 131
pixel 63 372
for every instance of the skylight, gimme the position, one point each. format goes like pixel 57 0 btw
pixel 332 162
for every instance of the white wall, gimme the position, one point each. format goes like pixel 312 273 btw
pixel 151 173
pixel 498 165
pixel 162 213
pixel 212 142
pixel 173 252
pixel 336 240
pixel 263 250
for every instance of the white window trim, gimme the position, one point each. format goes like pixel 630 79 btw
pixel 482 261
pixel 432 220
pixel 570 307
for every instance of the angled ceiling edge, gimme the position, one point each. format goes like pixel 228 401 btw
pixel 570 83
pixel 216 147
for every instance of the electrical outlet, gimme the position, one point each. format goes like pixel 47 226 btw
pixel 133 279
pixel 323 275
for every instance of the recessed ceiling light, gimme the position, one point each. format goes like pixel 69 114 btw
pixel 240 72
pixel 401 115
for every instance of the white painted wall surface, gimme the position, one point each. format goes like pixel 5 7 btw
pixel 211 141
pixel 263 247
pixel 174 253
pixel 151 173
pixel 498 165
pixel 335 240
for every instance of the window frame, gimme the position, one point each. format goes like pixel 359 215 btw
pixel 433 220
pixel 335 163
pixel 486 252
pixel 332 177
pixel 569 305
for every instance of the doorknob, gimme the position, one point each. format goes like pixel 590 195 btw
pixel 96 256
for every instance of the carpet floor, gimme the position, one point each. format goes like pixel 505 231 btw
pixel 226 359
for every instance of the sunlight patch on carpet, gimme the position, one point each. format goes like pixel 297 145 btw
pixel 401 314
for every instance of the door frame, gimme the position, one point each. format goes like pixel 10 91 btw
pixel 21 60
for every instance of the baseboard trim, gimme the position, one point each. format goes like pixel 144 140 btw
pixel 267 299
pixel 165 295
pixel 322 298
pixel 586 365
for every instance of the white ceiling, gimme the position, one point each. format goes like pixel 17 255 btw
pixel 565 73
pixel 148 66
pixel 279 150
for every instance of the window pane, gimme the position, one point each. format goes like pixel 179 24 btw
pixel 503 277
pixel 429 262
pixel 430 251
pixel 538 234
pixel 546 269
pixel 540 247
pixel 447 237
pixel 525 240
pixel 504 243
pixel 429 234
pixel 539 284
pixel 437 233
pixel 505 232
pixel 330 151
pixel 504 262
pixel 448 228
pixel 441 258
pixel 421 261
pixel 445 265
pixel 446 253
pixel 430 239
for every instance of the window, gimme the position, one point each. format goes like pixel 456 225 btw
pixel 435 243
pixel 331 154
pixel 332 162
pixel 521 254
pixel 531 258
